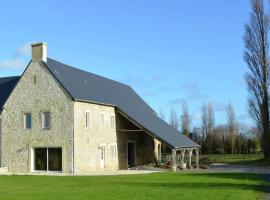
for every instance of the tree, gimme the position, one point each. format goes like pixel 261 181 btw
pixel 256 57
pixel 208 124
pixel 174 121
pixel 232 126
pixel 162 114
pixel 185 119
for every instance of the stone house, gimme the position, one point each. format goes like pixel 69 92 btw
pixel 56 118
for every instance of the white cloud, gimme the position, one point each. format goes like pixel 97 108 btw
pixel 16 62
pixel 11 64
pixel 24 50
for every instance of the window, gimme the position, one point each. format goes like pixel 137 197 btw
pixel 27 120
pixel 102 120
pixel 113 152
pixel 112 121
pixel 87 119
pixel 48 159
pixel 46 120
pixel 34 79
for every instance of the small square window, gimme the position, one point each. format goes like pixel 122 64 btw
pixel 27 118
pixel 87 119
pixel 46 120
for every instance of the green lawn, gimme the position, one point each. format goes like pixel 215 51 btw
pixel 235 158
pixel 151 186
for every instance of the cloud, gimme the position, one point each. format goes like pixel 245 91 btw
pixel 177 101
pixel 24 50
pixel 11 64
pixel 16 62
pixel 193 91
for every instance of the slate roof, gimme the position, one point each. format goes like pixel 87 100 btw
pixel 6 86
pixel 85 86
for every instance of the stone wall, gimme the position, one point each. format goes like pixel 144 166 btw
pixel 144 143
pixel 87 141
pixel 36 92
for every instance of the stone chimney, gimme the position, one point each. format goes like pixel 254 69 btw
pixel 39 51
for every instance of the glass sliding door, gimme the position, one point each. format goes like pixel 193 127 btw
pixel 55 159
pixel 41 159
pixel 48 159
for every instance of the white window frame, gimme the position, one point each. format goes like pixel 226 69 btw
pixel 43 118
pixel 87 126
pixel 32 160
pixel 113 121
pixel 102 123
pixel 113 154
pixel 25 120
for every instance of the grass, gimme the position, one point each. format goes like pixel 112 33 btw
pixel 151 186
pixel 245 159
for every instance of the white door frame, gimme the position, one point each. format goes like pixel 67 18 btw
pixel 135 151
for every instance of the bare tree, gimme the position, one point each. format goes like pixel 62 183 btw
pixel 232 126
pixel 162 114
pixel 204 121
pixel 185 119
pixel 256 57
pixel 174 121
pixel 208 124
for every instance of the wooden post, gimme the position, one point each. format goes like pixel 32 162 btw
pixel 197 158
pixel 183 158
pixel 190 158
pixel 174 165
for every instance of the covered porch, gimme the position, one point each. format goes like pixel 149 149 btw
pixel 182 158
pixel 147 146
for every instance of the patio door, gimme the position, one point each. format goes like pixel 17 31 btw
pixel 102 157
pixel 47 159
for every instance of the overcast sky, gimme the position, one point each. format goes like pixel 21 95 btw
pixel 168 51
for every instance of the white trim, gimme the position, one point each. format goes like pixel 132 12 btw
pixel 43 118
pixel 32 160
pixel 115 153
pixel 112 125
pixel 135 151
pixel 102 124
pixel 90 119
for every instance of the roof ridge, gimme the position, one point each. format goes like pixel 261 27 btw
pixel 75 68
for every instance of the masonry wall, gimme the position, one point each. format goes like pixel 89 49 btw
pixel 87 141
pixel 144 143
pixel 36 92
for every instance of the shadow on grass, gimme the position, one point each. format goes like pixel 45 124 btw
pixel 260 162
pixel 218 184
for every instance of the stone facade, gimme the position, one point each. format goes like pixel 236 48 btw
pixel 36 92
pixel 87 141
